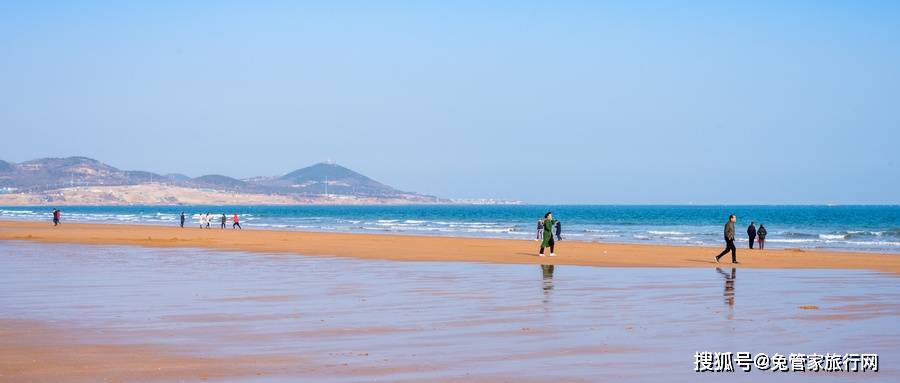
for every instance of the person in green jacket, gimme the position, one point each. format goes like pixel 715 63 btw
pixel 549 223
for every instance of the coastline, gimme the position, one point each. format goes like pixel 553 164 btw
pixel 427 248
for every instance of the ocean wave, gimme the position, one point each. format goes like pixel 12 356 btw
pixel 797 235
pixel 474 226
pixel 17 212
pixel 777 240
pixel 600 231
pixel 850 234
pixel 660 232
pixel 874 243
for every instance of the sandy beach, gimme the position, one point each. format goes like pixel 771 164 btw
pixel 421 248
pixel 84 313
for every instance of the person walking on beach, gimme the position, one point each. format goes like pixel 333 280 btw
pixel 751 232
pixel 236 222
pixel 540 231
pixel 729 240
pixel 182 219
pixel 223 220
pixel 208 219
pixel 761 233
pixel 547 234
pixel 56 217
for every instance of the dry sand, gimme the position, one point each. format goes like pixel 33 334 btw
pixel 421 248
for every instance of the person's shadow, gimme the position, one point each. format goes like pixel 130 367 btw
pixel 728 294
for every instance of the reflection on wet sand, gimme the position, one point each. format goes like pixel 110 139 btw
pixel 273 318
pixel 547 271
pixel 729 289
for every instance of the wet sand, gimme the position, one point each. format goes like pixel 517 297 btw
pixel 33 351
pixel 124 313
pixel 420 248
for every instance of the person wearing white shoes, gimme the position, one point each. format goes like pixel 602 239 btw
pixel 548 234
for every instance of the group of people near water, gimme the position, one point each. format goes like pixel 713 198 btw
pixel 545 231
pixel 752 232
pixel 545 228
pixel 206 218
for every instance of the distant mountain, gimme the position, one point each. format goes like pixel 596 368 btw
pixel 220 182
pixel 55 173
pixel 328 178
pixel 322 179
pixel 176 177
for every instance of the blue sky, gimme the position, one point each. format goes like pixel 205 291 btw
pixel 547 102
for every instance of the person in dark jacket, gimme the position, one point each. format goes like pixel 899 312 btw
pixel 729 240
pixel 558 231
pixel 182 219
pixel 751 232
pixel 761 233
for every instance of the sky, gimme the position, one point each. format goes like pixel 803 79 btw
pixel 544 102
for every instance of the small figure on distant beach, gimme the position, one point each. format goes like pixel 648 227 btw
pixel 729 240
pixel 223 220
pixel 236 222
pixel 558 231
pixel 182 219
pixel 540 231
pixel 761 234
pixel 57 215
pixel 751 232
pixel 204 221
pixel 208 219
pixel 547 234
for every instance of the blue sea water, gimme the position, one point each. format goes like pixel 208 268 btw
pixel 865 228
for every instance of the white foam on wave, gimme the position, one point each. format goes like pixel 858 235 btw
pixel 832 236
pixel 874 243
pixel 660 232
pixel 775 240
pixel 473 226
pixel 17 212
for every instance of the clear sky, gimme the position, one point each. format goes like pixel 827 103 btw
pixel 547 102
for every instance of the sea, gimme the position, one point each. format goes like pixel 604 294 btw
pixel 855 227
